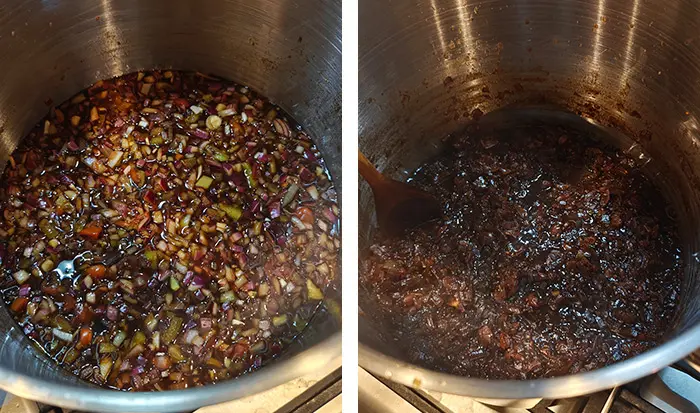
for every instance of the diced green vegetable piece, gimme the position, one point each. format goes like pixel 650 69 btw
pixel 156 140
pixel 279 320
pixel 174 284
pixel 227 296
pixel 204 182
pixel 48 228
pixel 248 172
pixel 119 338
pixel 299 323
pixel 107 348
pixel 232 211
pixel 240 281
pixel 315 293
pixel 174 327
pixel 175 353
pixel 220 156
pixel 47 265
pixel 139 338
pixel 152 256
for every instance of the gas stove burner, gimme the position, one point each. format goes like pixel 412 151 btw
pixel 674 389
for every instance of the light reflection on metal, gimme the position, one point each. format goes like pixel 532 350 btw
pixel 629 60
pixel 439 29
pixel 465 30
pixel 596 68
pixel 113 39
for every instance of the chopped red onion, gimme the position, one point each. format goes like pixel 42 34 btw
pixel 112 313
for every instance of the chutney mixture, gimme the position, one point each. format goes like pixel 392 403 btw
pixel 555 255
pixel 220 212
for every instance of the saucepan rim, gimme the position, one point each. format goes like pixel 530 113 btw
pixel 644 364
pixel 80 397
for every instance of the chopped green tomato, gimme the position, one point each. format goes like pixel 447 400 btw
pixel 315 293
pixel 174 327
pixel 175 353
pixel 119 338
pixel 228 296
pixel 204 182
pixel 240 281
pixel 220 156
pixel 232 211
pixel 279 320
pixel 248 172
pixel 47 265
pixel 174 284
pixel 48 228
pixel 139 338
pixel 107 348
pixel 152 256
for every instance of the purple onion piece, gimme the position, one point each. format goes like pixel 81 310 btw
pixel 188 278
pixel 275 210
pixel 201 134
pixel 198 281
pixel 24 290
pixel 72 146
pixel 190 325
pixel 112 313
pixel 214 163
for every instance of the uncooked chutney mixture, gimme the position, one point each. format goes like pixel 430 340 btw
pixel 555 255
pixel 218 208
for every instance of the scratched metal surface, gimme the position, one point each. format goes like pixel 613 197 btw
pixel 429 67
pixel 287 50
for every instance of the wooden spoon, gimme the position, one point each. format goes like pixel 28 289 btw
pixel 399 206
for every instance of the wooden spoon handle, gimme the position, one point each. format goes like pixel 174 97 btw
pixel 369 172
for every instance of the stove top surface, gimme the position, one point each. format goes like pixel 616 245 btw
pixel 675 389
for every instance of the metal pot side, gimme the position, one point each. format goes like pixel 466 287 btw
pixel 429 67
pixel 287 50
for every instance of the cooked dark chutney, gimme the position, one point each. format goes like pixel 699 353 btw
pixel 555 255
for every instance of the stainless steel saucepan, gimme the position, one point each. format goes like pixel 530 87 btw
pixel 429 67
pixel 50 49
